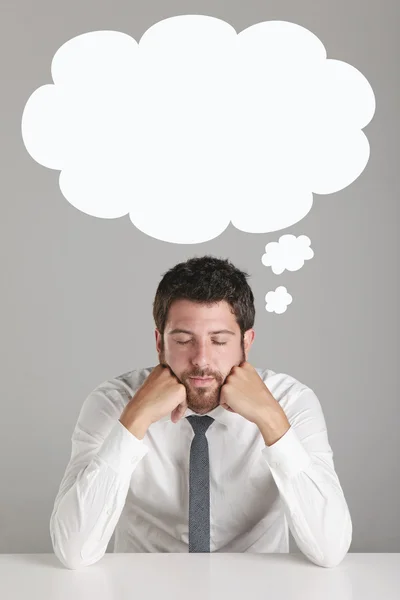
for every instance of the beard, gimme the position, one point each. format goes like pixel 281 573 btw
pixel 201 400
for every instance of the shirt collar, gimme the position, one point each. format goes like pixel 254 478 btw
pixel 218 413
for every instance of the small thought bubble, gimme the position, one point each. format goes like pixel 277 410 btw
pixel 197 126
pixel 289 253
pixel 278 300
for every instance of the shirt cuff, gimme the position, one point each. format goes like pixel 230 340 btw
pixel 287 457
pixel 121 450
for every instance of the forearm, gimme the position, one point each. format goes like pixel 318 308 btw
pixel 273 426
pixel 136 424
pixel 91 499
pixel 313 500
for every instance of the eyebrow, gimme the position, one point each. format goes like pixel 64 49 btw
pixel 210 332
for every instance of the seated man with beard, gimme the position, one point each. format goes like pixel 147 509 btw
pixel 202 452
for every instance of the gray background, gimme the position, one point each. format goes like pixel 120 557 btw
pixel 77 291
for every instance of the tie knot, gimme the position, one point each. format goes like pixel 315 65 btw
pixel 200 424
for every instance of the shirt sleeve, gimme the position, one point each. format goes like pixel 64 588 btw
pixel 301 462
pixel 95 484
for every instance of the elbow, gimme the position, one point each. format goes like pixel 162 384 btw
pixel 70 550
pixel 68 554
pixel 332 561
pixel 71 557
pixel 328 559
pixel 332 557
pixel 72 562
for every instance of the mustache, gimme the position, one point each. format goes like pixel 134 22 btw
pixel 194 374
pixel 201 375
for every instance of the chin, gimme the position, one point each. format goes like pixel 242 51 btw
pixel 203 407
pixel 202 411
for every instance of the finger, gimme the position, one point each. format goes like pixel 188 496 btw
pixel 227 407
pixel 178 412
pixel 182 410
pixel 174 416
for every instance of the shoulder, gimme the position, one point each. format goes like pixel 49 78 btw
pixel 282 385
pixel 121 388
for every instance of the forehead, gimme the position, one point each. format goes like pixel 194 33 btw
pixel 192 315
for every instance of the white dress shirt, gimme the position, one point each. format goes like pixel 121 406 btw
pixel 140 488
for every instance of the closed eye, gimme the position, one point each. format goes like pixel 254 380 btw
pixel 214 342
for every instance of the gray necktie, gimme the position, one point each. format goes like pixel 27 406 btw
pixel 199 486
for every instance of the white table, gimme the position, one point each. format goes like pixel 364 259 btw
pixel 215 576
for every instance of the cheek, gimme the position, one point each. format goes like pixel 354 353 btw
pixel 175 355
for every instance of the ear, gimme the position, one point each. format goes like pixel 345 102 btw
pixel 249 336
pixel 158 340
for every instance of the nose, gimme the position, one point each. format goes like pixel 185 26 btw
pixel 200 355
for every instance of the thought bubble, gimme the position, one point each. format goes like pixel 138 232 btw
pixel 289 253
pixel 198 126
pixel 278 300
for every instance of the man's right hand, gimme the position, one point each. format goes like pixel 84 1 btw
pixel 160 394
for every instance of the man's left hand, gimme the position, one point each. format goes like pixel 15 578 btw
pixel 245 393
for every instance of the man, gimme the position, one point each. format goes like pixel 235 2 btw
pixel 204 452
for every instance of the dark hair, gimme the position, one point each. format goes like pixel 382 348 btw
pixel 205 280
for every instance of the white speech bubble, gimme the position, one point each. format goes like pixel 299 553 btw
pixel 197 126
